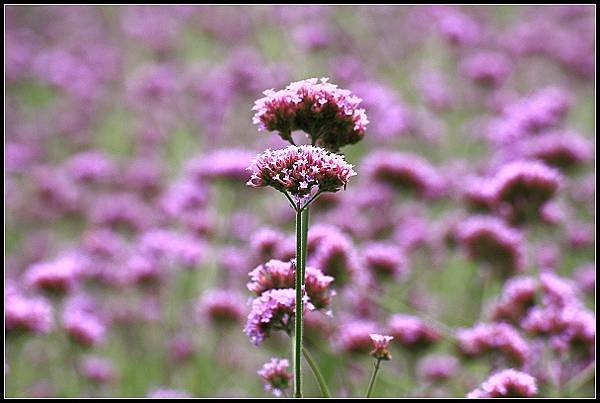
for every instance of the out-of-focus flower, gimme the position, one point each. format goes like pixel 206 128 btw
pixel 328 114
pixel 381 344
pixel 585 276
pixel 83 323
pixel 98 369
pixel 517 296
pixel 354 336
pixel 437 367
pixel 487 68
pixel 91 167
pixel 411 331
pixel 276 376
pixel 29 314
pixel 221 306
pixel 300 172
pixel 58 276
pixel 559 149
pixel 384 259
pixel 489 239
pixel 521 188
pixel 162 393
pixel 486 337
pixel 506 383
pixel 225 164
pixel 405 171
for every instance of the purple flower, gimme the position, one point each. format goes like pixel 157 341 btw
pixel 522 187
pixel 381 344
pixel 29 314
pixel 559 149
pixel 272 310
pixel 486 337
pixel 487 68
pixel 300 172
pixel 82 322
pixel 91 167
pixel 506 383
pixel 517 296
pixel 355 336
pixel 405 171
pixel 437 367
pixel 328 114
pixel 58 276
pixel 221 306
pixel 227 164
pixel 98 369
pixel 384 259
pixel 161 393
pixel 276 274
pixel 276 376
pixel 266 242
pixel 489 239
pixel 411 331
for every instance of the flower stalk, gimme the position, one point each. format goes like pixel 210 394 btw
pixel 373 377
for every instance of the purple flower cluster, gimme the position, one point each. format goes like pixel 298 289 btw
pixel 300 172
pixel 506 383
pixel 328 114
pixel 276 376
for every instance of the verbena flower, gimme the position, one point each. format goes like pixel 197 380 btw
pixel 405 171
pixel 384 259
pixel 437 367
pixel 486 337
pixel 225 164
pixel 328 114
pixel 272 310
pixel 276 376
pixel 98 369
pixel 517 296
pixel 83 323
pixel 489 239
pixel 276 274
pixel 411 331
pixel 300 171
pixel 58 276
pixel 381 344
pixel 27 314
pixel 355 336
pixel 506 383
pixel 221 306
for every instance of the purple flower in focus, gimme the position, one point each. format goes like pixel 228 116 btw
pixel 328 114
pixel 300 172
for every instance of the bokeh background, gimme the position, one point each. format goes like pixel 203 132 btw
pixel 127 134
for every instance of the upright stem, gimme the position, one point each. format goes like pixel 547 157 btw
pixel 304 221
pixel 373 377
pixel 298 316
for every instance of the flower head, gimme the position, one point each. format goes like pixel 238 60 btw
pixel 507 383
pixel 273 309
pixel 300 172
pixel 276 376
pixel 330 115
pixel 381 344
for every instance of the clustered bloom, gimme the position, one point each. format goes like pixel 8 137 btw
pixel 405 171
pixel 506 383
pixel 276 376
pixel 491 240
pixel 300 171
pixel 272 310
pixel 384 259
pixel 228 164
pixel 437 367
pixel 381 344
pixel 486 337
pixel 98 369
pixel 328 114
pixel 276 274
pixel 411 331
pixel 29 314
pixel 221 306
pixel 355 336
pixel 517 296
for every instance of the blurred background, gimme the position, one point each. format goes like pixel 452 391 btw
pixel 130 233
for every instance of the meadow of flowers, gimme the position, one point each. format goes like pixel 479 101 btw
pixel 259 201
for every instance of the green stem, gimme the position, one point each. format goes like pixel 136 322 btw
pixel 304 222
pixel 318 376
pixel 298 316
pixel 373 377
